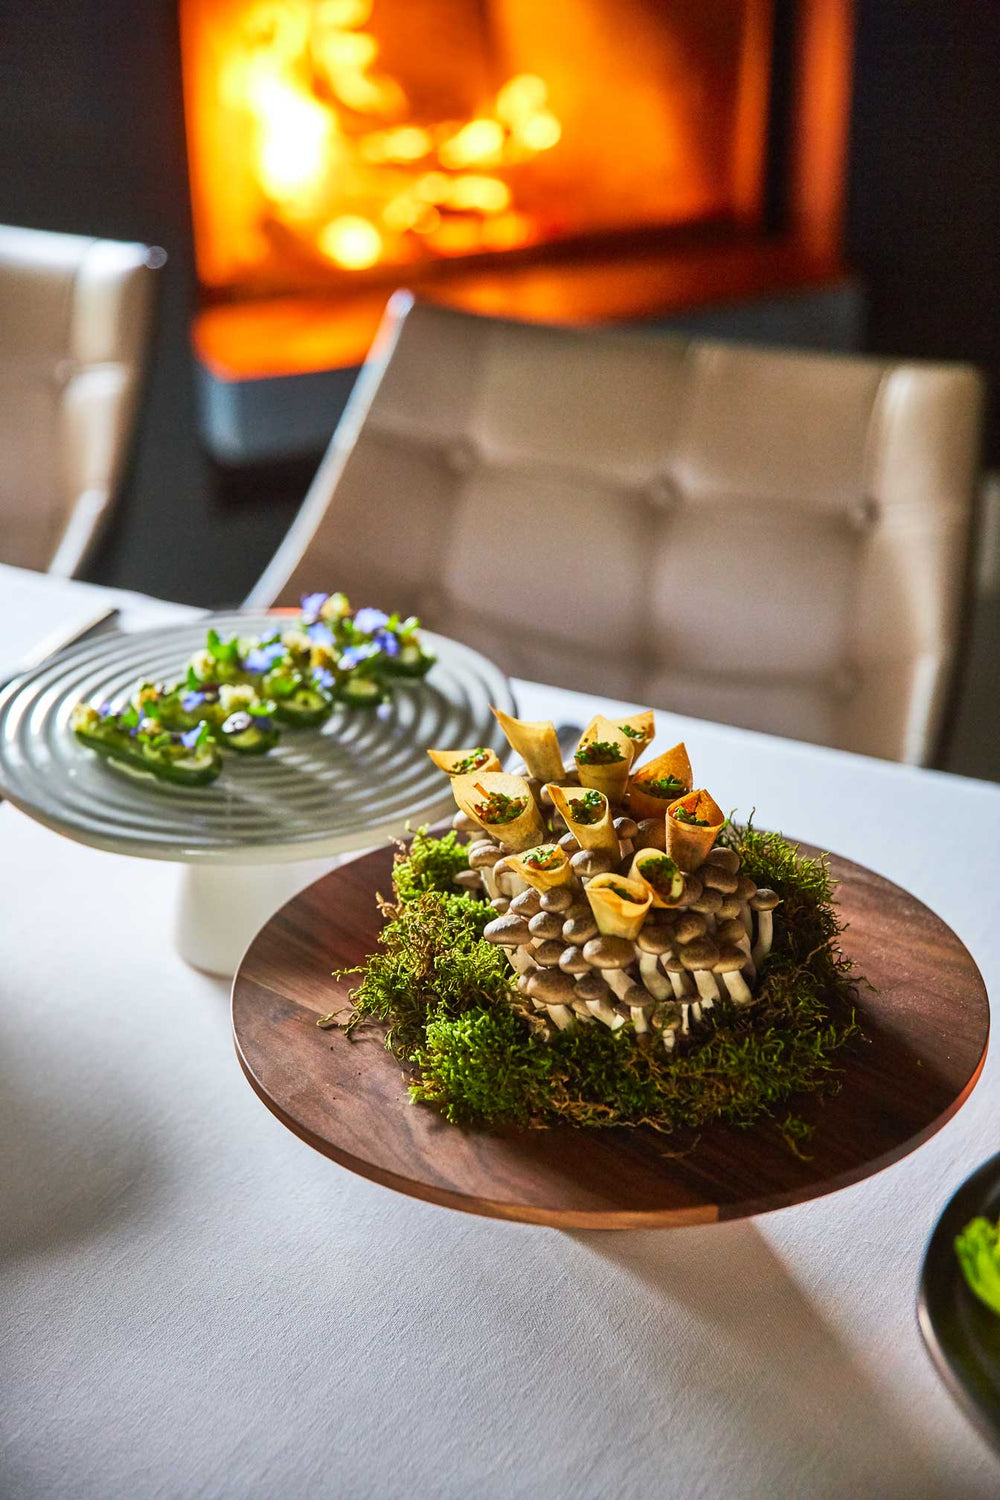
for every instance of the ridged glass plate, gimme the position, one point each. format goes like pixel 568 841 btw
pixel 359 778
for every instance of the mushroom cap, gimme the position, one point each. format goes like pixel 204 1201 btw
pixel 626 828
pixel 609 952
pixel 552 988
pixel 745 888
pixel 559 898
pixel 483 856
pixel 638 997
pixel 730 959
pixel 510 931
pixel 545 924
pixel 504 866
pixel 671 964
pixel 652 833
pixel 655 938
pixel 572 961
pixel 521 983
pixel 500 905
pixel 666 1018
pixel 765 899
pixel 730 931
pixel 723 859
pixel 689 926
pixel 708 902
pixel 590 862
pixel 591 987
pixel 570 843
pixel 547 953
pixel 719 879
pixel 692 890
pixel 462 823
pixel 730 908
pixel 702 954
pixel 526 904
pixel 580 929
pixel 468 879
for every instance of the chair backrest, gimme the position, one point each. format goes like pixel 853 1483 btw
pixel 771 539
pixel 75 317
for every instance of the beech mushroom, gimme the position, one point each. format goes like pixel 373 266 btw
pixel 692 890
pixel 723 859
pixel 729 963
pixel 594 992
pixel 667 1020
pixel 556 993
pixel 763 903
pixel 570 843
pixel 470 880
pixel 689 926
pixel 579 926
pixel 626 828
pixel 680 980
pixel 716 878
pixel 612 955
pixel 652 834
pixel 500 905
pixel 640 1002
pixel 698 957
pixel 545 924
pixel 462 823
pixel 733 932
pixel 589 863
pixel 708 902
pixel 508 881
pixel 745 888
pixel 730 908
pixel 547 953
pixel 511 932
pixel 527 904
pixel 653 940
pixel 572 961
pixel 559 898
pixel 483 855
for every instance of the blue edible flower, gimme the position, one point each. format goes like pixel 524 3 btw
pixel 367 621
pixel 312 604
pixel 355 655
pixel 191 738
pixel 191 701
pixel 387 642
pixel 320 634
pixel 263 658
pixel 324 678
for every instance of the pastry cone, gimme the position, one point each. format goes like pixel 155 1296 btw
pixel 523 831
pixel 599 835
pixel 614 916
pixel 450 761
pixel 688 843
pixel 552 868
pixel 535 743
pixel 673 763
pixel 643 729
pixel 660 897
pixel 610 778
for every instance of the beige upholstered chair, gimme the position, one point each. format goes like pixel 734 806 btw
pixel 771 539
pixel 75 317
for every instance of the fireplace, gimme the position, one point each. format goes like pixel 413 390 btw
pixel 571 161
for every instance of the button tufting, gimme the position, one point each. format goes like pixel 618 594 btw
pixel 662 492
pixel 863 514
pixel 461 457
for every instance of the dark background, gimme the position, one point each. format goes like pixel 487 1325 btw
pixel 91 141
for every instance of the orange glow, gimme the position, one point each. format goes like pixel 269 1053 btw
pixel 335 138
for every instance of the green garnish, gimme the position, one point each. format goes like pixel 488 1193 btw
pixel 633 734
pixel 598 753
pixel 544 857
pixel 667 787
pixel 620 892
pixel 499 808
pixel 662 873
pixel 682 815
pixel 587 809
pixel 470 762
pixel 446 996
pixel 978 1251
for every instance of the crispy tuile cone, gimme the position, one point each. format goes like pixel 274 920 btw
pixel 646 856
pixel 536 744
pixel 645 723
pixel 446 759
pixel 612 779
pixel 671 763
pixel 522 832
pixel 686 843
pixel 615 917
pixel 559 873
pixel 599 835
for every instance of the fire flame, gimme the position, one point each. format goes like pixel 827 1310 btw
pixel 342 168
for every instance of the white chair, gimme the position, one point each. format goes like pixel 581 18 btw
pixel 771 539
pixel 75 319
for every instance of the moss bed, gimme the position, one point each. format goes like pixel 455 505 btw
pixel 445 996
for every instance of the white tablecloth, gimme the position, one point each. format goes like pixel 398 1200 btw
pixel 196 1304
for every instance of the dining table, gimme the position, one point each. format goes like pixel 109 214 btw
pixel 197 1304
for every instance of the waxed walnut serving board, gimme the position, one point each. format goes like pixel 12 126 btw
pixel 925 1033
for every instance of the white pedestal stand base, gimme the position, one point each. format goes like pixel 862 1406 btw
pixel 221 908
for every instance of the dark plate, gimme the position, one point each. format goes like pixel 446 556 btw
pixel 961 1333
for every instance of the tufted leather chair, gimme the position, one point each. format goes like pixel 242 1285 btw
pixel 75 317
pixel 771 539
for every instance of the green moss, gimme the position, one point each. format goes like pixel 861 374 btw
pixel 446 998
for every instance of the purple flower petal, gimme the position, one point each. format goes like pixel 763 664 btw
pixel 387 642
pixel 355 655
pixel 263 658
pixel 384 712
pixel 191 701
pixel 191 737
pixel 312 604
pixel 320 634
pixel 324 679
pixel 370 620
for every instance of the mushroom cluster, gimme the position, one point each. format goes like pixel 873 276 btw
pixel 606 918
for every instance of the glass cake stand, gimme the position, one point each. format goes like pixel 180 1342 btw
pixel 269 825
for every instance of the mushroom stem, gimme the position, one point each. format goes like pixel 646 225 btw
pixel 652 976
pixel 707 987
pixel 520 959
pixel 765 933
pixel 638 1014
pixel 489 881
pixel 606 1013
pixel 737 987
pixel 618 980
pixel 561 1015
